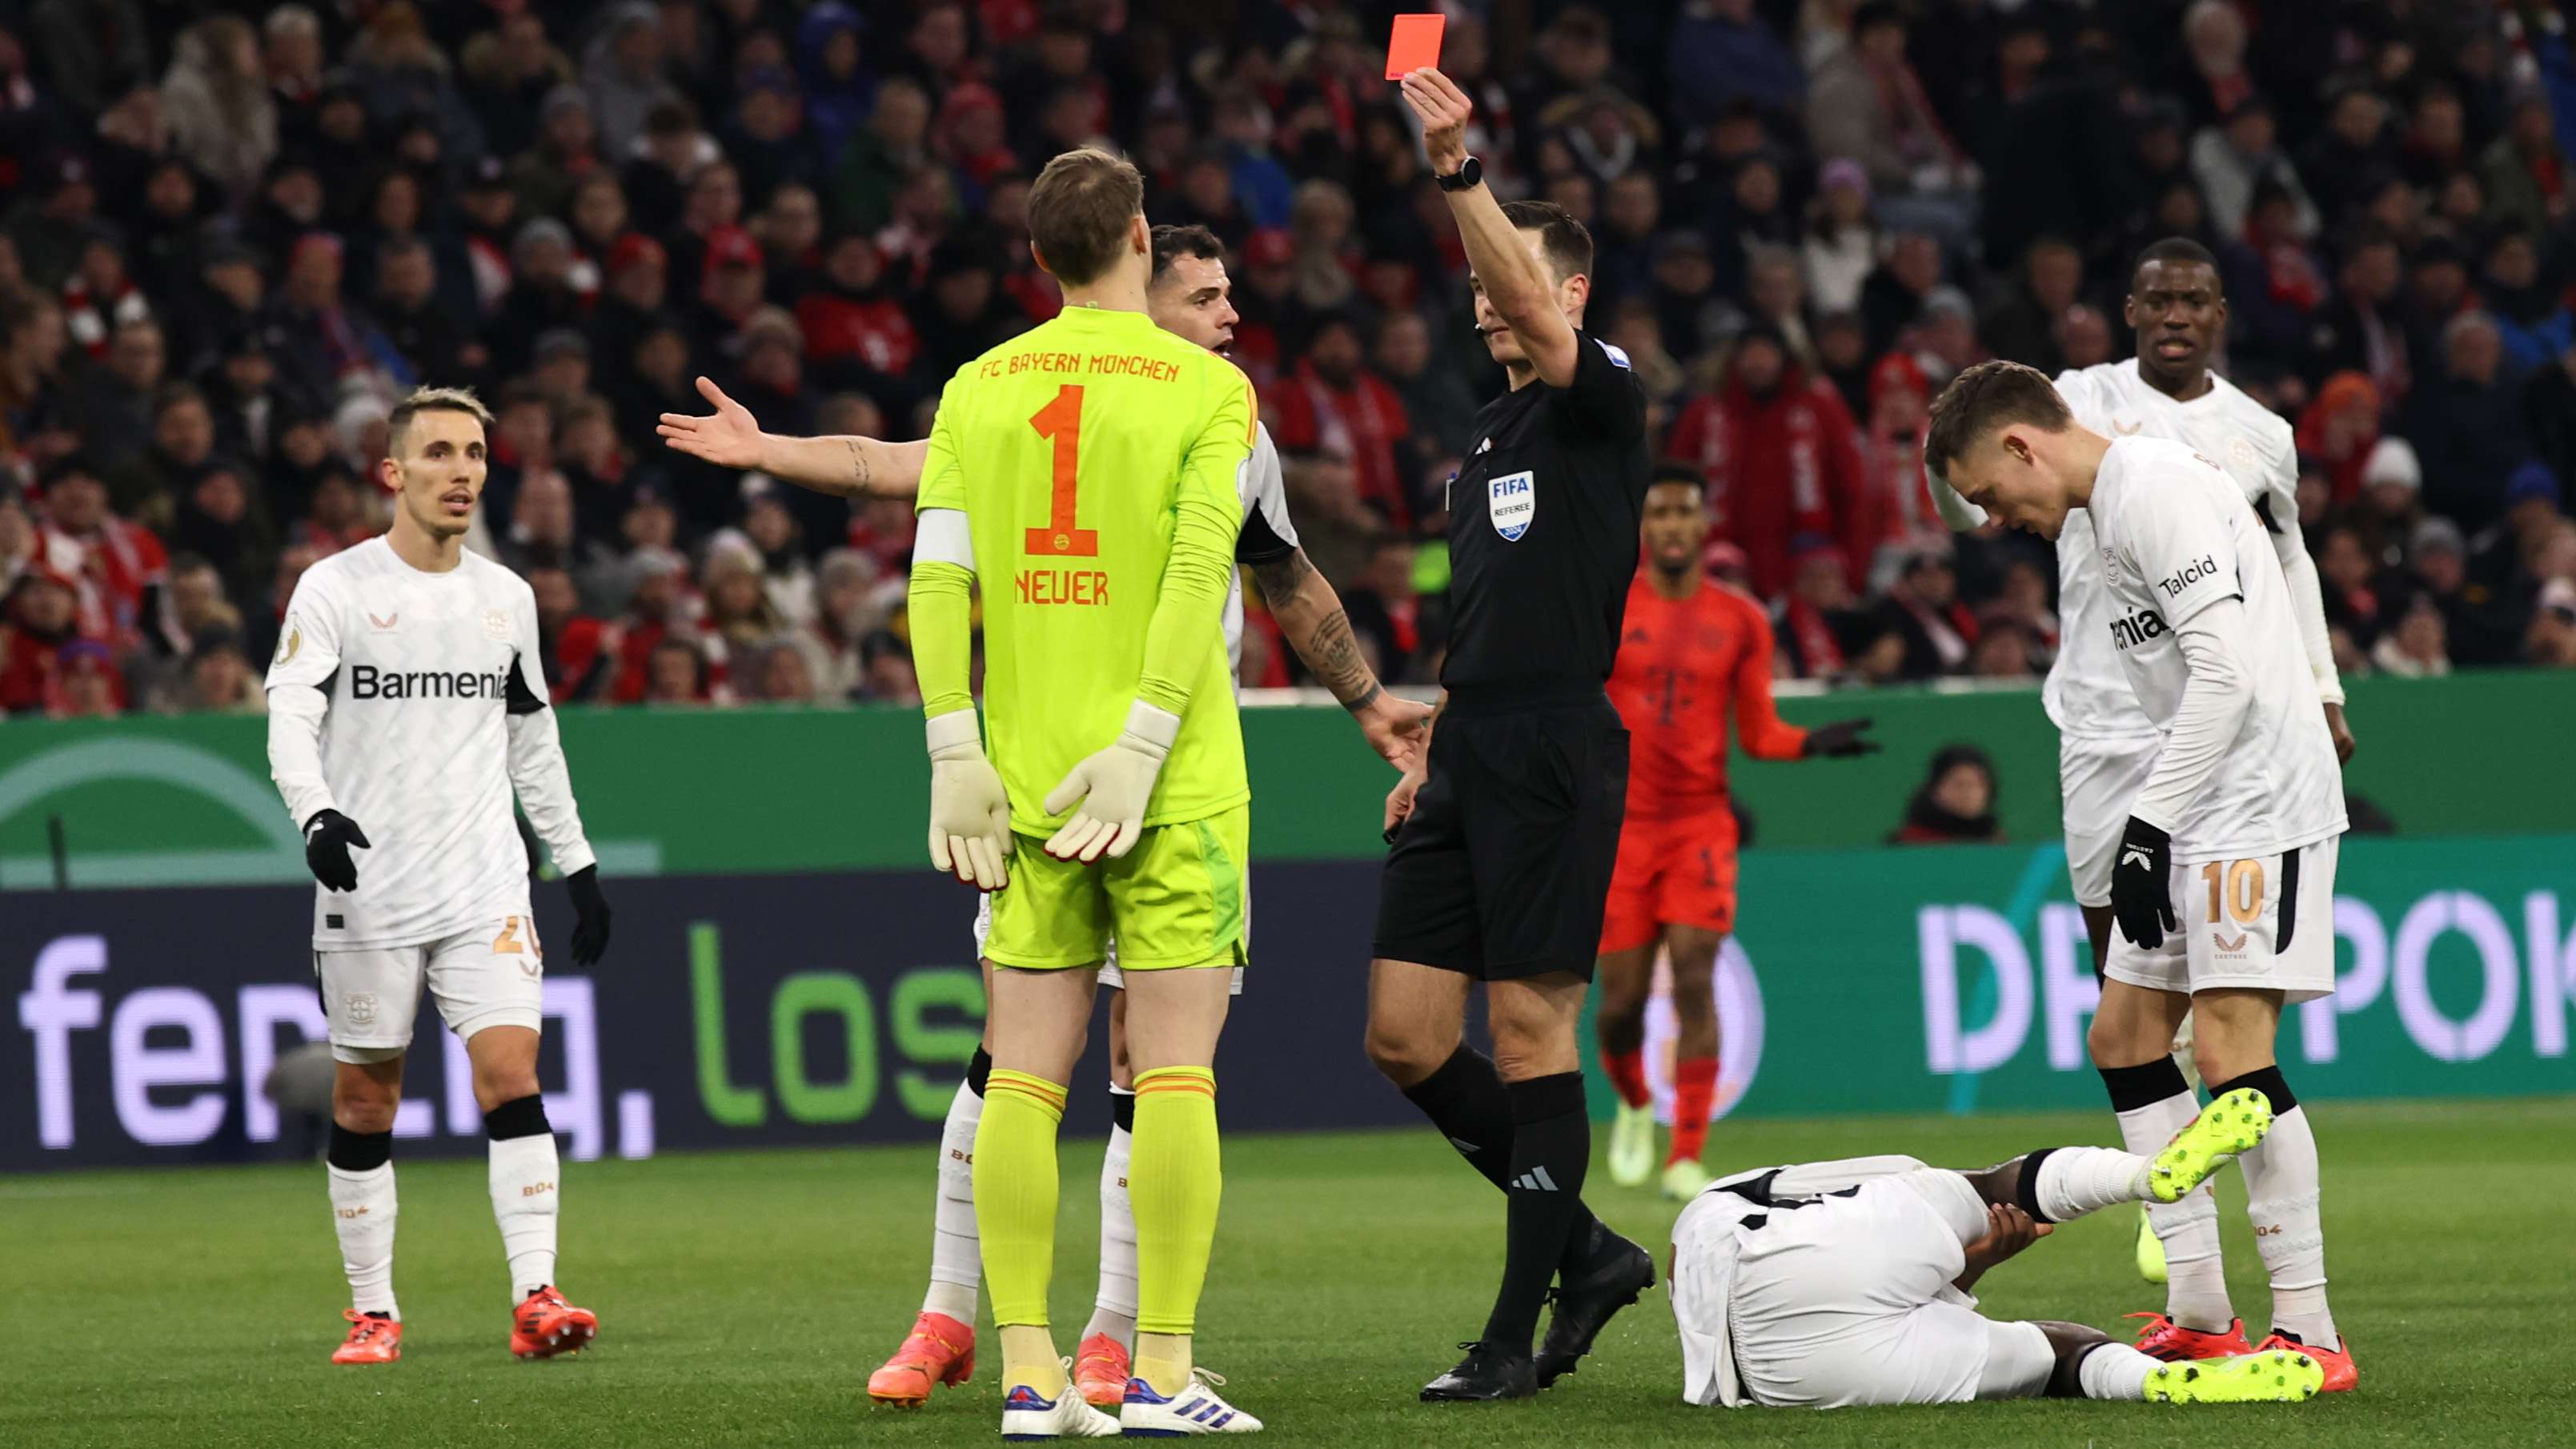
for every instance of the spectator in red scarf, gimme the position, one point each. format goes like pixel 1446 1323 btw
pixel 659 609
pixel 970 135
pixel 110 564
pixel 1780 453
pixel 1335 406
pixel 100 298
pixel 86 683
pixel 40 620
pixel 2274 282
pixel 2215 80
pixel 1938 628
pixel 1893 506
pixel 2339 429
pixel 1817 613
pixel 853 321
pixel 1867 104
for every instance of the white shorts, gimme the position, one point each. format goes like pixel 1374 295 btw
pixel 2265 923
pixel 1847 1300
pixel 492 975
pixel 1110 975
pixel 2097 781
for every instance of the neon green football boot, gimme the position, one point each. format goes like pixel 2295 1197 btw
pixel 2151 1249
pixel 1632 1145
pixel 2232 1124
pixel 2278 1376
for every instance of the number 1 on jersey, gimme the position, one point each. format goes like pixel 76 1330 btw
pixel 1061 422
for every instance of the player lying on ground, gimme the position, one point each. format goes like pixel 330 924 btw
pixel 1692 651
pixel 2237 821
pixel 1095 461
pixel 2106 743
pixel 1191 297
pixel 407 694
pixel 1828 1284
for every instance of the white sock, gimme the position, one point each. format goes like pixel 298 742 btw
pixel 2195 1276
pixel 2282 1191
pixel 2114 1371
pixel 2074 1181
pixel 1114 1308
pixel 527 1195
pixel 362 1209
pixel 956 1254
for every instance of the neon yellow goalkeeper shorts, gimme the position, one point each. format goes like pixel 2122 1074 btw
pixel 1175 900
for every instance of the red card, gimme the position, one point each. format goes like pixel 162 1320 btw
pixel 1414 44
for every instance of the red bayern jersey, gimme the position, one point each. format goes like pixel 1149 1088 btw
pixel 1683 665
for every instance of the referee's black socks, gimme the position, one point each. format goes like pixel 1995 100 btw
pixel 1551 1145
pixel 1467 1101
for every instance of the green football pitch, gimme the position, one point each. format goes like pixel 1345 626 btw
pixel 745 1297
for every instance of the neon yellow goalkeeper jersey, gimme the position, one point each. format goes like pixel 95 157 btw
pixel 1095 458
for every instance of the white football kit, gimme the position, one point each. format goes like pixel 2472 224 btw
pixel 2245 780
pixel 415 704
pixel 2106 743
pixel 1828 1284
pixel 1267 536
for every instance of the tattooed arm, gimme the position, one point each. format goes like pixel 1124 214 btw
pixel 1310 614
pixel 847 466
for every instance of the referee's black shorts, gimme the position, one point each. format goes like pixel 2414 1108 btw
pixel 1501 870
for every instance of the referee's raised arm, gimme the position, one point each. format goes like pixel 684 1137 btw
pixel 1504 844
pixel 1500 261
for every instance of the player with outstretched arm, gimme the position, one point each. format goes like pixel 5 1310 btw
pixel 2224 886
pixel 1693 651
pixel 1190 296
pixel 407 707
pixel 1505 837
pixel 2107 745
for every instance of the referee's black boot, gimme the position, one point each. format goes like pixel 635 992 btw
pixel 1489 1371
pixel 1586 1303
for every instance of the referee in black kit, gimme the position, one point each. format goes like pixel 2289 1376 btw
pixel 1505 834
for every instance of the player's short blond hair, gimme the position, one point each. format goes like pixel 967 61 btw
pixel 432 400
pixel 1079 208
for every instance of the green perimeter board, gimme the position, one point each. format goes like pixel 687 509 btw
pixel 151 800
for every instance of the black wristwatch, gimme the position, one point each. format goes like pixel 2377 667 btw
pixel 1465 178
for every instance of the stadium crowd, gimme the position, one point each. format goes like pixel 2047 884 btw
pixel 231 235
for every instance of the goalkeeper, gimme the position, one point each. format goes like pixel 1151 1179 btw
pixel 1086 472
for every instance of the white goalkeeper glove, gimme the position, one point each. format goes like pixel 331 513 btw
pixel 970 813
pixel 1112 788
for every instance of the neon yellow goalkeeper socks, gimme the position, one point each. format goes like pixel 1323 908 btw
pixel 1015 1193
pixel 1174 1180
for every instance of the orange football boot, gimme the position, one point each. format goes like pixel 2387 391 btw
pixel 372 1339
pixel 544 1325
pixel 938 1350
pixel 1100 1371
pixel 2341 1376
pixel 2165 1339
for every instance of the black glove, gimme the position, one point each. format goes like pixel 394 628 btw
pixel 1840 740
pixel 2142 884
pixel 590 909
pixel 327 838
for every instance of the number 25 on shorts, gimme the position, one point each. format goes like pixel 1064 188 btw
pixel 1061 422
